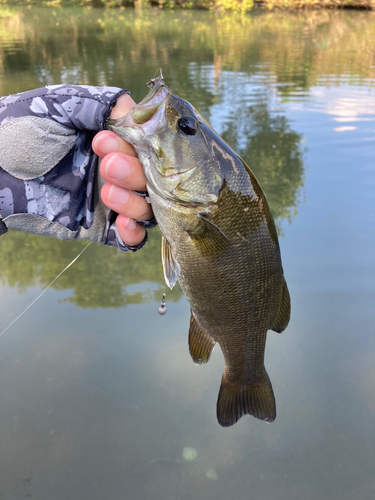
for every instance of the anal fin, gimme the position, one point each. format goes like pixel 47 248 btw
pixel 283 314
pixel 201 343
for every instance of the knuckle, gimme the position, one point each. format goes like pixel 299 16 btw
pixel 145 214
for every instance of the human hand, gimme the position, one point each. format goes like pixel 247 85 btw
pixel 48 181
pixel 123 172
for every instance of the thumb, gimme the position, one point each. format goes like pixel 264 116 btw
pixel 124 104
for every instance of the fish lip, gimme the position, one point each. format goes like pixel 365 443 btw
pixel 158 85
pixel 128 119
pixel 144 111
pixel 155 81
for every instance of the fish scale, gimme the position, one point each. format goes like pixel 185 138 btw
pixel 219 242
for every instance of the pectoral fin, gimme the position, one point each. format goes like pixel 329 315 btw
pixel 170 265
pixel 283 315
pixel 208 237
pixel 201 343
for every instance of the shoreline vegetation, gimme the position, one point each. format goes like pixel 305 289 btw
pixel 242 6
pixel 279 56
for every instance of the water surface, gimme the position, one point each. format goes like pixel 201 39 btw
pixel 99 397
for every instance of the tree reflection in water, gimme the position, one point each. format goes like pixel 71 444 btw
pixel 124 49
pixel 274 153
pixel 101 277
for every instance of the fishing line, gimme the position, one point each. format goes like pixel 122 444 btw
pixel 160 73
pixel 49 286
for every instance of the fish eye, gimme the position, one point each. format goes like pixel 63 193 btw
pixel 188 125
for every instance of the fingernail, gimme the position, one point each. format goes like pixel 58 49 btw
pixel 130 224
pixel 118 195
pixel 117 167
pixel 108 145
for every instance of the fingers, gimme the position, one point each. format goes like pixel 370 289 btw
pixel 123 105
pixel 130 232
pixel 125 202
pixel 123 172
pixel 108 142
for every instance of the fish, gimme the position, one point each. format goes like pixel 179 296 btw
pixel 219 241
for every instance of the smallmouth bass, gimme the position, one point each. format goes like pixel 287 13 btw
pixel 218 240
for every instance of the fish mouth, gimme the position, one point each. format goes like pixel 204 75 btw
pixel 155 85
pixel 148 107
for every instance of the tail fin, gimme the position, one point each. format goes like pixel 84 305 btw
pixel 236 400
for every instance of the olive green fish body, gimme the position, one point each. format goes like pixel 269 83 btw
pixel 219 242
pixel 235 292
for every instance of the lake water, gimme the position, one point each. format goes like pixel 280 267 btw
pixel 99 396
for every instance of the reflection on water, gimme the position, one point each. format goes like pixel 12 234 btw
pixel 106 403
pixel 292 51
pixel 262 137
pixel 100 279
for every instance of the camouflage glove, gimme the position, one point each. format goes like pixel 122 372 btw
pixel 49 181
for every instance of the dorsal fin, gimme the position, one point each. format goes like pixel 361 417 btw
pixel 170 265
pixel 283 314
pixel 201 343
